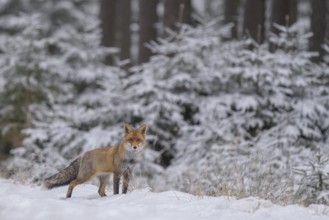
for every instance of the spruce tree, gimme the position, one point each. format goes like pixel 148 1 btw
pixel 72 96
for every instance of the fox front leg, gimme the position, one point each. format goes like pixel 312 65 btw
pixel 116 182
pixel 125 182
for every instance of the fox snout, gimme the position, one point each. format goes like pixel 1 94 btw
pixel 135 149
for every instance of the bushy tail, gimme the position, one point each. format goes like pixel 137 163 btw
pixel 64 177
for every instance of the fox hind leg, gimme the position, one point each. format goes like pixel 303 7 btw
pixel 73 184
pixel 103 180
pixel 79 180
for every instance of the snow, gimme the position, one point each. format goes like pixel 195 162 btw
pixel 221 114
pixel 19 201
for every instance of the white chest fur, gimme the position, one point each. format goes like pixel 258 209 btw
pixel 130 161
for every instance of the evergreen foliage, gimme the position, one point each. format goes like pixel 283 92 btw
pixel 224 117
pixel 314 183
pixel 268 114
pixel 56 86
pixel 163 91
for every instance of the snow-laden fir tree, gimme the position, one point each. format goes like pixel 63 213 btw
pixel 163 91
pixel 164 88
pixel 313 175
pixel 22 57
pixel 265 116
pixel 314 183
pixel 300 103
pixel 62 60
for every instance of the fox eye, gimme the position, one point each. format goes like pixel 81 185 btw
pixel 138 140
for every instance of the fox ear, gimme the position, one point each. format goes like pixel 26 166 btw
pixel 142 129
pixel 128 128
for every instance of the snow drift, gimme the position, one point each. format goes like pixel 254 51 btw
pixel 25 201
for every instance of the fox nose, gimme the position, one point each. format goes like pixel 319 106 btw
pixel 135 147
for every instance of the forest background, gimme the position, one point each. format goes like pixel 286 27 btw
pixel 235 92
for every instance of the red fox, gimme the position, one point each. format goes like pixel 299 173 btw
pixel 119 160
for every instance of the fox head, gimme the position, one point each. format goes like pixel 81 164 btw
pixel 134 139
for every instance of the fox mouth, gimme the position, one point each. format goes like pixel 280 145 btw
pixel 134 149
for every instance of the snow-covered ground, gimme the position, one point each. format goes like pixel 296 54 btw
pixel 31 202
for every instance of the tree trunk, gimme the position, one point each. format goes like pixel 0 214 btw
pixel 176 11
pixel 231 15
pixel 284 12
pixel 147 29
pixel 318 27
pixel 122 33
pixel 254 18
pixel 327 21
pixel 107 17
pixel 115 23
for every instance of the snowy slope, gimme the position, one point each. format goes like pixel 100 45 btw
pixel 28 202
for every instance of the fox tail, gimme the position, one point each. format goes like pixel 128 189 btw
pixel 64 177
